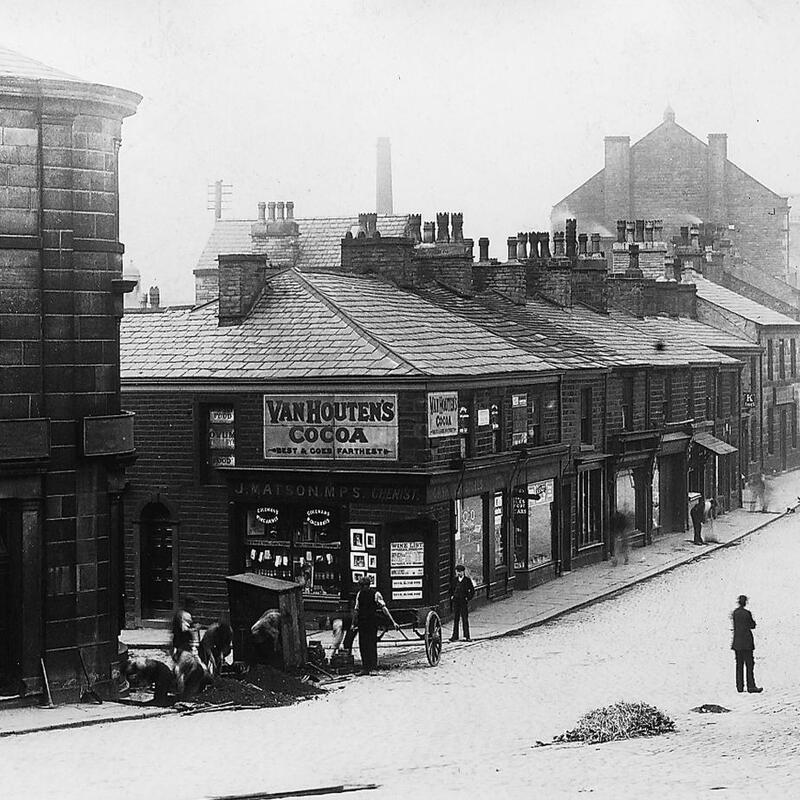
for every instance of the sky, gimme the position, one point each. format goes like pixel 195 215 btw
pixel 497 110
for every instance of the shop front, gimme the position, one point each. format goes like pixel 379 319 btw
pixel 670 484
pixel 535 533
pixel 327 531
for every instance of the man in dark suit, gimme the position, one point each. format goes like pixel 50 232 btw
pixel 463 592
pixel 743 646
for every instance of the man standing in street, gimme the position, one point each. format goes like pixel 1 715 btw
pixel 365 618
pixel 463 592
pixel 743 646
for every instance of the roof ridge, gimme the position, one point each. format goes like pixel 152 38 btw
pixel 350 322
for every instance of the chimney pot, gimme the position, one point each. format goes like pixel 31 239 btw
pixel 694 234
pixel 648 230
pixel 633 253
pixel 483 249
pixel 443 227
pixel 415 227
pixel 583 240
pixel 595 243
pixel 522 246
pixel 558 243
pixel 544 238
pixel 429 233
pixel 262 207
pixel 512 248
pixel 290 209
pixel 457 219
pixel 533 239
pixel 630 229
pixel 271 211
pixel 639 235
pixel 155 297
pixel 621 231
pixel 658 230
pixel 570 237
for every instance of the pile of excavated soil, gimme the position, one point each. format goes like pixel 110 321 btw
pixel 260 686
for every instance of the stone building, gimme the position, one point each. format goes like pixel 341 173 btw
pixel 64 437
pixel 673 176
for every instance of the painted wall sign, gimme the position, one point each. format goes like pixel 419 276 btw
pixel 329 491
pixel 442 414
pixel 325 427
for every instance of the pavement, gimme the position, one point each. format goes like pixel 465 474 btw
pixel 519 612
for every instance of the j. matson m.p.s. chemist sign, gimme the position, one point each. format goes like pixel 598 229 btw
pixel 343 427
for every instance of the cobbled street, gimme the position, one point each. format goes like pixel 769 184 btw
pixel 471 725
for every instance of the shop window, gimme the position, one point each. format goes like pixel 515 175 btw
pixel 656 497
pixel 770 430
pixel 586 415
pixel 793 357
pixel 298 542
pixel 498 519
pixel 781 359
pixel 219 435
pixel 469 536
pixel 519 419
pixel 465 428
pixel 535 422
pixel 497 428
pixel 769 359
pixel 590 508
pixel 627 403
pixel 533 524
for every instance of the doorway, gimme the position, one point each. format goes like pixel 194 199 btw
pixel 158 562
pixel 10 597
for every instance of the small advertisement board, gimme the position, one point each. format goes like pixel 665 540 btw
pixel 442 414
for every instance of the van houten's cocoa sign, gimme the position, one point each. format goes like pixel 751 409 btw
pixel 341 427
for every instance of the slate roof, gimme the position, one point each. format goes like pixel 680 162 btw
pixel 18 65
pixel 737 304
pixel 319 326
pixel 700 332
pixel 320 239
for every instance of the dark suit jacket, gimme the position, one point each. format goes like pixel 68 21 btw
pixel 743 624
pixel 463 590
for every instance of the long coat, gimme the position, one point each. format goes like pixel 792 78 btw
pixel 743 624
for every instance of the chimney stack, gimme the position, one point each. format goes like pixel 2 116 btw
pixel 383 177
pixel 633 269
pixel 595 243
pixel 155 297
pixel 483 249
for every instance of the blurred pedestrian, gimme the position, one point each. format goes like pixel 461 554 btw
pixel 216 646
pixel 462 592
pixel 697 514
pixel 369 602
pixel 185 634
pixel 619 528
pixel 743 646
pixel 758 487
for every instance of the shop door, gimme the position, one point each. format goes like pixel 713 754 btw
pixel 782 440
pixel 158 554
pixel 673 493
pixel 10 597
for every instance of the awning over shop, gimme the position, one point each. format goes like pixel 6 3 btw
pixel 713 444
pixel 673 443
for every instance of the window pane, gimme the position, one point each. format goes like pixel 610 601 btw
pixel 469 537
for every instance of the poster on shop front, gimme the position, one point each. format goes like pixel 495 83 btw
pixel 330 427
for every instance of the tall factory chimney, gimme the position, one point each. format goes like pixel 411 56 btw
pixel 383 177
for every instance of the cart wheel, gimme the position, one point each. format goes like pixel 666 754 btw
pixel 433 638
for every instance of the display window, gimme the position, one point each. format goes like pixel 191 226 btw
pixel 301 543
pixel 499 530
pixel 533 524
pixel 469 537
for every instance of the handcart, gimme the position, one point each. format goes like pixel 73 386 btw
pixel 416 625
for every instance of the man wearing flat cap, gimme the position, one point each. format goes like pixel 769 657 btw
pixel 743 646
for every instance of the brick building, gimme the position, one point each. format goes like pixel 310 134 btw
pixel 64 438
pixel 526 413
pixel 671 175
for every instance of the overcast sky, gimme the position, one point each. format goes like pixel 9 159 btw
pixel 494 109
